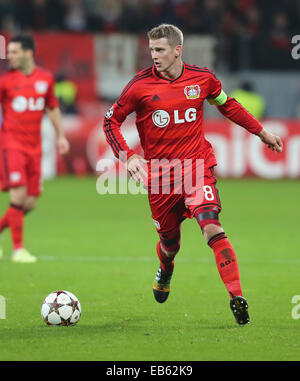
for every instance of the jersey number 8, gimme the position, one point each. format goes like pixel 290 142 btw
pixel 208 193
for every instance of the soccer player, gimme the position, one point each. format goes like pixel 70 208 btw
pixel 26 91
pixel 168 100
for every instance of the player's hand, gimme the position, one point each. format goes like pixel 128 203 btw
pixel 136 167
pixel 273 141
pixel 63 145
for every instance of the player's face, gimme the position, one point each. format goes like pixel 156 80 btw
pixel 163 54
pixel 18 58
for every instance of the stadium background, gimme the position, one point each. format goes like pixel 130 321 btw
pixel 101 248
pixel 100 45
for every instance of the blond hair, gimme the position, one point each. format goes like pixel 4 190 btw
pixel 168 31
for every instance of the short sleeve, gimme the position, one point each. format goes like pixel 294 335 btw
pixel 216 95
pixel 215 87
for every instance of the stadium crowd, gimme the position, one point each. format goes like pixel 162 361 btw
pixel 250 33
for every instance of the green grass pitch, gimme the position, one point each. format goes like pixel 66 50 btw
pixel 102 249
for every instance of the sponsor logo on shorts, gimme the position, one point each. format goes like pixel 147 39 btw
pixel 15 177
pixel 157 224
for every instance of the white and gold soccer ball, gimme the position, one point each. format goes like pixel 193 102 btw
pixel 61 308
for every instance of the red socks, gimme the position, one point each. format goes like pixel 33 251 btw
pixel 226 263
pixel 225 259
pixel 166 263
pixel 14 219
pixel 4 221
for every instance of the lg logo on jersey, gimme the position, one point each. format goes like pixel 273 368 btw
pixel 21 104
pixel 161 118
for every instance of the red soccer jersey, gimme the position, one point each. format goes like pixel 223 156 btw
pixel 23 99
pixel 169 114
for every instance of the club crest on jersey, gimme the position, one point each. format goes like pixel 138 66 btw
pixel 192 92
pixel 41 87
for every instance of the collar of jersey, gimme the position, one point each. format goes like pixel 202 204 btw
pixel 26 75
pixel 167 79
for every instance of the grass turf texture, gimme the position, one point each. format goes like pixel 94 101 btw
pixel 102 249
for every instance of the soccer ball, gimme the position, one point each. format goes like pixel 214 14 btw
pixel 61 308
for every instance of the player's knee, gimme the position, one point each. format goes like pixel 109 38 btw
pixel 170 241
pixel 209 223
pixel 211 230
pixel 170 251
pixel 30 204
pixel 18 195
pixel 28 208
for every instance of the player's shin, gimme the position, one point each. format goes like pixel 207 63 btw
pixel 227 263
pixel 4 222
pixel 167 248
pixel 166 262
pixel 15 220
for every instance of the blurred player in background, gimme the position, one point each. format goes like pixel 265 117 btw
pixel 251 100
pixel 26 91
pixel 168 100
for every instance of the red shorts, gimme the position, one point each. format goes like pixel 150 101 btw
pixel 19 168
pixel 169 210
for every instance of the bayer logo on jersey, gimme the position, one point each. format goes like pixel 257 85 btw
pixel 41 87
pixel 161 118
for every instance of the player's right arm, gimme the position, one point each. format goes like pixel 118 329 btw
pixel 115 116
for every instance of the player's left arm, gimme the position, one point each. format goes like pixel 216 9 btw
pixel 234 111
pixel 54 115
